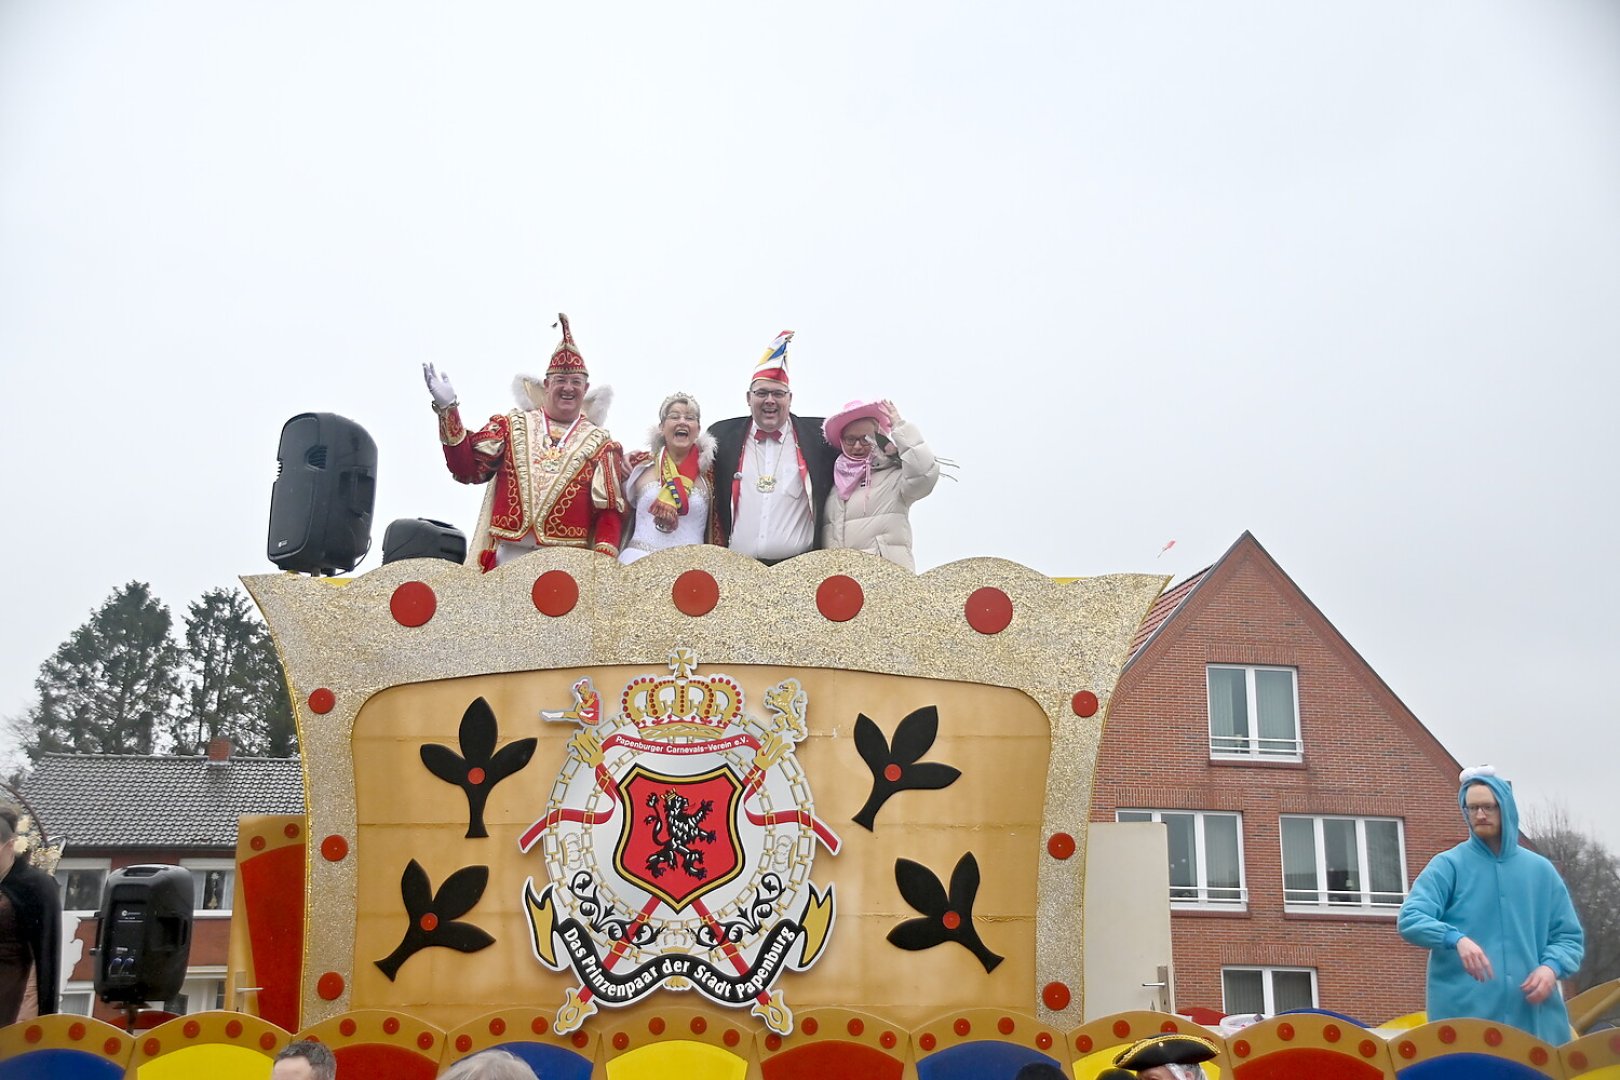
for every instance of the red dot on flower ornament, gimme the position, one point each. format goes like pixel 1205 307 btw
pixel 732 1037
pixel 927 1041
pixel 892 773
pixel 1043 1041
pixel 76 1032
pixel 1407 1049
pixel 695 593
pixel 257 843
pixel 391 1025
pixel 233 1029
pixel 811 1025
pixel 151 1047
pixel 334 848
pixel 290 831
pixel 475 776
pixel 555 593
pixel 1060 845
pixel 951 920
pixel 1122 1028
pixel 497 1026
pixel 1055 996
pixel 773 1042
pixel 413 603
pixel 1005 1025
pixel 347 1027
pixel 656 1025
pixel 540 1025
pixel 1285 1032
pixel 888 1040
pixel 1493 1036
pixel 580 1039
pixel 1084 1044
pixel 620 1040
pixel 329 986
pixel 112 1046
pixel 1538 1056
pixel 267 1040
pixel 33 1033
pixel 192 1029
pixel 1448 1034
pixel 1367 1048
pixel 988 610
pixel 1168 1028
pixel 321 701
pixel 1577 1060
pixel 963 1027
pixel 425 1040
pixel 855 1026
pixel 1084 703
pixel 1331 1033
pixel 463 1043
pixel 699 1025
pixel 429 922
pixel 1241 1048
pixel 840 598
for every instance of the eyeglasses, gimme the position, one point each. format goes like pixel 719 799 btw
pixel 763 395
pixel 1488 809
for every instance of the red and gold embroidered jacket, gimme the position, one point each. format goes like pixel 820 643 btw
pixel 571 495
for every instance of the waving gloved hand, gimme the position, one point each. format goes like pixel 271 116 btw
pixel 438 384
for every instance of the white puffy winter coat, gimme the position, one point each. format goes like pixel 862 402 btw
pixel 875 516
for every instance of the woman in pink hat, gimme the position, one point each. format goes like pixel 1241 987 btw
pixel 883 467
pixel 671 488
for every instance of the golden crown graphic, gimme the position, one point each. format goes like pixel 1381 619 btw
pixel 682 705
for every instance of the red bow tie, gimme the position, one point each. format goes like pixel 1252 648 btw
pixel 773 436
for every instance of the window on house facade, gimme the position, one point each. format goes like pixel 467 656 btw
pixel 1253 713
pixel 81 881
pixel 1343 862
pixel 1206 856
pixel 77 999
pixel 213 883
pixel 1268 990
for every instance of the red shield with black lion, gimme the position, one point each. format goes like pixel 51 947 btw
pixel 679 839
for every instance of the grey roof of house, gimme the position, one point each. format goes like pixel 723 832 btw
pixel 141 801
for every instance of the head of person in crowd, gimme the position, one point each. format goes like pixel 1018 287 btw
pixel 562 392
pixel 1039 1070
pixel 1489 809
pixel 304 1061
pixel 859 429
pixel 8 840
pixel 489 1065
pixel 1165 1057
pixel 770 399
pixel 680 426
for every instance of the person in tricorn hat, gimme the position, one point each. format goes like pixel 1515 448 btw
pixel 773 469
pixel 555 478
pixel 1163 1057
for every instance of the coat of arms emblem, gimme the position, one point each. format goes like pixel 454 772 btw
pixel 678 840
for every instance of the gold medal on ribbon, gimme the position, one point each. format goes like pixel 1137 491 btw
pixel 766 483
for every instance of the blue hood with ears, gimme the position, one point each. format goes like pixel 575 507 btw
pixel 1509 819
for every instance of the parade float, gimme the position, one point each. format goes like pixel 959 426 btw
pixel 699 817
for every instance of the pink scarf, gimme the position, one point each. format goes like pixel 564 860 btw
pixel 849 474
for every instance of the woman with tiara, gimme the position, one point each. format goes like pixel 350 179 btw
pixel 672 488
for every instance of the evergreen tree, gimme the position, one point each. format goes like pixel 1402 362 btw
pixel 233 685
pixel 110 687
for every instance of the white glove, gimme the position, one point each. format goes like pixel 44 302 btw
pixel 438 384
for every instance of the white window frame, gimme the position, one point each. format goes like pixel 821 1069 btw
pixel 1253 748
pixel 1319 899
pixel 1268 988
pixel 202 866
pixel 1203 902
pixel 78 986
pixel 199 981
pixel 68 864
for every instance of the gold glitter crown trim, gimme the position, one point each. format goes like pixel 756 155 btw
pixel 682 704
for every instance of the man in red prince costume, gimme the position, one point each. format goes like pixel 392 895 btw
pixel 555 478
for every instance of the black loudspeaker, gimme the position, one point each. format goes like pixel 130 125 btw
pixel 423 538
pixel 144 941
pixel 320 505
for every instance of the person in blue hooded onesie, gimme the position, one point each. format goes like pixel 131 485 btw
pixel 1497 920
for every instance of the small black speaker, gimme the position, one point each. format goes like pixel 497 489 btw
pixel 423 538
pixel 320 504
pixel 144 940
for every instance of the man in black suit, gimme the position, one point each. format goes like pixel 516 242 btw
pixel 772 470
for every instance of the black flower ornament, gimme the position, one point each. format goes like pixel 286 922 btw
pixel 479 766
pixel 945 917
pixel 895 767
pixel 433 915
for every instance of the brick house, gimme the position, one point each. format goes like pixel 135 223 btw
pixel 1300 796
pixel 116 810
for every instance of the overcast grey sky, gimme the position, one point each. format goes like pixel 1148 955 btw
pixel 1343 274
